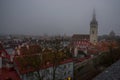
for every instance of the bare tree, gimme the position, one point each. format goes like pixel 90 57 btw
pixel 35 59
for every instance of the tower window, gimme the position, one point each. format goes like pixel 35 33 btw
pixel 92 32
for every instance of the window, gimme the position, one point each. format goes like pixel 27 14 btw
pixel 92 32
pixel 69 72
pixel 48 71
pixel 64 66
pixel 30 76
pixel 69 65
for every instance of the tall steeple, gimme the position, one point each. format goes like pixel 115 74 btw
pixel 94 21
pixel 93 29
pixel 94 15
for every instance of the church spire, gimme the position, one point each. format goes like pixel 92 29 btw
pixel 94 15
pixel 94 21
pixel 94 29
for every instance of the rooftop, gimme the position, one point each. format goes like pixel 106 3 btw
pixel 34 58
pixel 111 73
pixel 81 36
pixel 6 74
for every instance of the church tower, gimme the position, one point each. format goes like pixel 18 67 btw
pixel 94 29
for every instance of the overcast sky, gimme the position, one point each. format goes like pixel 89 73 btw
pixel 38 17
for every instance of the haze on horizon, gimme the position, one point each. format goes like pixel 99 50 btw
pixel 38 17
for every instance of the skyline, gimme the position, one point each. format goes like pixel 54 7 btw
pixel 52 17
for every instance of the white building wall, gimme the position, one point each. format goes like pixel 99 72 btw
pixel 63 71
pixel 75 52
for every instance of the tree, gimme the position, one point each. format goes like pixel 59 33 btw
pixel 37 59
pixel 31 61
pixel 56 58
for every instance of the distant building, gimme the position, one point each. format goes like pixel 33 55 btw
pixel 77 37
pixel 86 42
pixel 93 36
pixel 112 33
pixel 5 61
pixel 104 46
pixel 6 66
pixel 94 29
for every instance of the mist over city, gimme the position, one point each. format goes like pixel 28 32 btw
pixel 38 17
pixel 59 40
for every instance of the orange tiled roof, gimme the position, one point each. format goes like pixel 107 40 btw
pixel 34 60
pixel 105 45
pixel 81 36
pixel 33 49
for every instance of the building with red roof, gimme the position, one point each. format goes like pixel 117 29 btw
pixel 6 66
pixel 105 45
pixel 7 74
pixel 32 60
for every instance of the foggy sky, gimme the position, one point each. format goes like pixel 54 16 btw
pixel 38 17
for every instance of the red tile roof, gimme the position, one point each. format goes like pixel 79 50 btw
pixel 32 49
pixel 23 70
pixel 80 36
pixel 105 45
pixel 4 52
pixel 8 74
pixel 26 62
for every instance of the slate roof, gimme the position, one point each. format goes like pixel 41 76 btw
pixel 111 73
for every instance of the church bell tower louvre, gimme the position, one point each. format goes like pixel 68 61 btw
pixel 94 29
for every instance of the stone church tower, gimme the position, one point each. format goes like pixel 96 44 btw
pixel 94 29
